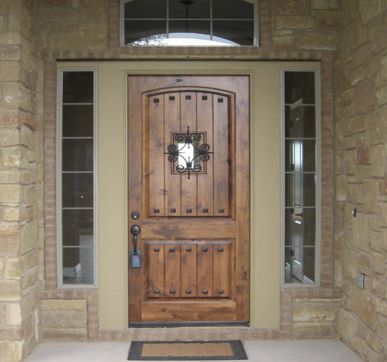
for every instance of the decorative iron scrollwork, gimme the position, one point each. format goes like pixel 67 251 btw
pixel 187 152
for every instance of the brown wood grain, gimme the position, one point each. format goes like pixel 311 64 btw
pixel 189 310
pixel 231 228
pixel 156 270
pixel 206 180
pixel 172 180
pixel 172 270
pixel 221 155
pixel 156 155
pixel 188 185
pixel 222 275
pixel 188 270
pixel 205 270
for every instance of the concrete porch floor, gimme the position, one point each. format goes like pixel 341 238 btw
pixel 259 351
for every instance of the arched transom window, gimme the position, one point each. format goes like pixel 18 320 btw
pixel 189 22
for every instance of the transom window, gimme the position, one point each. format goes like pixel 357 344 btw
pixel 189 22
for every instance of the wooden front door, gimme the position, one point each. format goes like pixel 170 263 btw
pixel 188 162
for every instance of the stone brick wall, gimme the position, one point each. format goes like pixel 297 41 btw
pixel 21 169
pixel 361 144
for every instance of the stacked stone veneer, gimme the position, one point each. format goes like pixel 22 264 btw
pixel 361 142
pixel 21 138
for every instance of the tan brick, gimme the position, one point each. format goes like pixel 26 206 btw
pixel 371 194
pixel 324 4
pixel 13 314
pixel 63 304
pixel 293 22
pixel 10 194
pixel 64 319
pixel 360 232
pixel 315 310
pixel 318 40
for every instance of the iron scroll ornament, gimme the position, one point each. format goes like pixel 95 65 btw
pixel 201 152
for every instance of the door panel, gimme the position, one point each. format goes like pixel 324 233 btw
pixel 189 180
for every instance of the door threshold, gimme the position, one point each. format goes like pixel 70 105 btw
pixel 189 324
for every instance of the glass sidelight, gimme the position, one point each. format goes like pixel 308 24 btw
pixel 301 176
pixel 75 191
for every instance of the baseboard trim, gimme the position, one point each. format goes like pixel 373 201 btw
pixel 189 324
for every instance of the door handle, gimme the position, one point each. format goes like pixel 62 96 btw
pixel 135 253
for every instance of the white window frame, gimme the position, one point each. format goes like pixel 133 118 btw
pixel 317 266
pixel 59 122
pixel 255 44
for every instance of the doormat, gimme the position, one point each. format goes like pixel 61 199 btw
pixel 186 351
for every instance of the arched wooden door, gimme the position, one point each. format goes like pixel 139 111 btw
pixel 188 184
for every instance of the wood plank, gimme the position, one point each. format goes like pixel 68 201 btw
pixel 206 180
pixel 172 180
pixel 221 156
pixel 189 310
pixel 172 270
pixel 222 272
pixel 205 270
pixel 188 185
pixel 155 254
pixel 188 270
pixel 156 155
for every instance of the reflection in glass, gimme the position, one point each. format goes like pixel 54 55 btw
pixel 240 9
pixel 300 177
pixel 78 87
pixel 78 264
pixel 77 120
pixel 300 122
pixel 240 32
pixel 145 9
pixel 77 155
pixel 77 227
pixel 77 190
pixel 188 9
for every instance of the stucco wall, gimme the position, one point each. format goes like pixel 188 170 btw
pixel 361 143
pixel 21 162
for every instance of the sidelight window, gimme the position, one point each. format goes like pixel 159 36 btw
pixel 189 22
pixel 301 170
pixel 75 179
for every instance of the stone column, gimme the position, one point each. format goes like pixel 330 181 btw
pixel 20 179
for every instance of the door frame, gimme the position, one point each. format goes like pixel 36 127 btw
pixel 265 241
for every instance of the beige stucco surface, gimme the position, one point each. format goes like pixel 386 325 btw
pixel 265 178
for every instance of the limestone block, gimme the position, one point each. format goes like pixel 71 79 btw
pixel 381 79
pixel 382 327
pixel 325 4
pixel 381 95
pixel 364 97
pixel 11 351
pixel 362 153
pixel 12 268
pixel 378 158
pixel 313 330
pixel 63 304
pixel 27 137
pixel 9 136
pixel 9 70
pixel 10 194
pixel 13 213
pixel 377 261
pixel 315 310
pixel 29 236
pixel 371 194
pixel 10 52
pixel 360 232
pixel 13 314
pixel 70 334
pixel 30 277
pixel 346 325
pixel 9 117
pixel 363 303
pixel 376 240
pixel 318 40
pixel 369 9
pixel 9 290
pixel 16 156
pixel 326 18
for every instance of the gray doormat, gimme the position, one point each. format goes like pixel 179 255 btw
pixel 186 350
